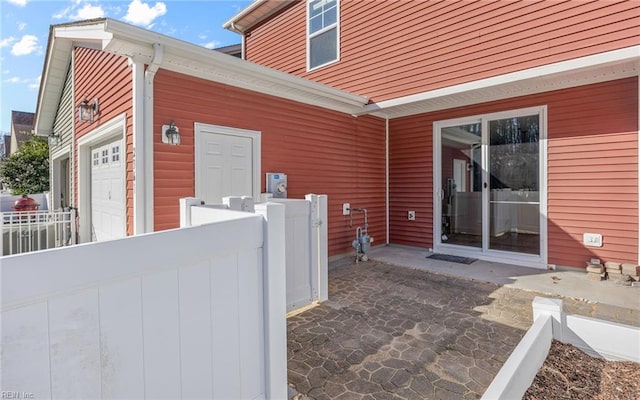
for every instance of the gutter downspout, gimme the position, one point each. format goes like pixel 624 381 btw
pixel 147 150
pixel 638 191
pixel 386 173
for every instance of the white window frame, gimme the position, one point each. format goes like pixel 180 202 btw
pixel 321 31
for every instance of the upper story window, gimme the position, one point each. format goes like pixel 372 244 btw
pixel 322 33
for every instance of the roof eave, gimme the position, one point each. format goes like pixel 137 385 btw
pixel 62 39
pixel 197 61
pixel 612 65
pixel 253 14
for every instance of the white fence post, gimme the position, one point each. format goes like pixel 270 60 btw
pixel 185 210
pixel 275 288
pixel 545 306
pixel 319 245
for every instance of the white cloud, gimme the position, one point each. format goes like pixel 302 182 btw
pixel 88 11
pixel 20 3
pixel 7 41
pixel 212 44
pixel 33 83
pixel 36 83
pixel 15 79
pixel 22 25
pixel 25 46
pixel 62 14
pixel 140 13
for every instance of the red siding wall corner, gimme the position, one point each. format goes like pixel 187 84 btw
pixel 108 78
pixel 321 151
pixel 592 176
pixel 390 49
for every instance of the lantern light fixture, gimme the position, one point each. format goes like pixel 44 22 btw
pixel 54 139
pixel 171 134
pixel 87 112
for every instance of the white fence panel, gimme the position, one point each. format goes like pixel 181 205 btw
pixel 174 314
pixel 307 250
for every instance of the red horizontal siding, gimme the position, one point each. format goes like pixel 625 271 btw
pixel 592 170
pixel 321 151
pixel 395 48
pixel 108 78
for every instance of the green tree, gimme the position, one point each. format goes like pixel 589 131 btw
pixel 27 171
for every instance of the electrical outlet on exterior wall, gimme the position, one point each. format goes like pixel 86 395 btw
pixel 411 215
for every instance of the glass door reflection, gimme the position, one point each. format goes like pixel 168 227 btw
pixel 461 191
pixel 514 198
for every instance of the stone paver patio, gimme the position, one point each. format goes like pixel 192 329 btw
pixel 390 332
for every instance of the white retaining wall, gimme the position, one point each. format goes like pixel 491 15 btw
pixel 196 312
pixel 595 337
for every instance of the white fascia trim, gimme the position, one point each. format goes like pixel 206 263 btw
pixel 231 23
pixel 262 8
pixel 615 56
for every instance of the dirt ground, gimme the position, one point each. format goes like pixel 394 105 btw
pixel 569 373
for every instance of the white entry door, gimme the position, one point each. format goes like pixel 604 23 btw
pixel 107 191
pixel 225 163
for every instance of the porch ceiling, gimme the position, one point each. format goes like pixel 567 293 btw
pixel 613 65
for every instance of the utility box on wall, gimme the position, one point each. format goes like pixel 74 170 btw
pixel 277 184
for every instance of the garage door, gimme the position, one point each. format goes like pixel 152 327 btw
pixel 224 166
pixel 107 191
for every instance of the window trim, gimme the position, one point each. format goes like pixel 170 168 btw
pixel 321 31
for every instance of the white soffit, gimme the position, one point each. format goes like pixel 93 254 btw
pixel 602 67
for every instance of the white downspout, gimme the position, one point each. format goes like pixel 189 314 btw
pixel 386 173
pixel 242 47
pixel 138 145
pixel 638 89
pixel 147 151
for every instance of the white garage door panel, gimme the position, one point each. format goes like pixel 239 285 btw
pixel 107 192
pixel 224 165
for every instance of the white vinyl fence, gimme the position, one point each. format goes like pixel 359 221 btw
pixel 195 312
pixel 305 237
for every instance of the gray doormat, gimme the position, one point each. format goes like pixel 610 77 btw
pixel 455 259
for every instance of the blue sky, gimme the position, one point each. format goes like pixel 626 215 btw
pixel 24 30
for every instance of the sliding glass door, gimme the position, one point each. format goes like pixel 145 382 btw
pixel 461 191
pixel 489 184
pixel 514 184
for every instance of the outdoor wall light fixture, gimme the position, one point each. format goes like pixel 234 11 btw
pixel 54 139
pixel 87 111
pixel 171 134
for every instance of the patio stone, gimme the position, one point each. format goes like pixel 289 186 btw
pixel 390 332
